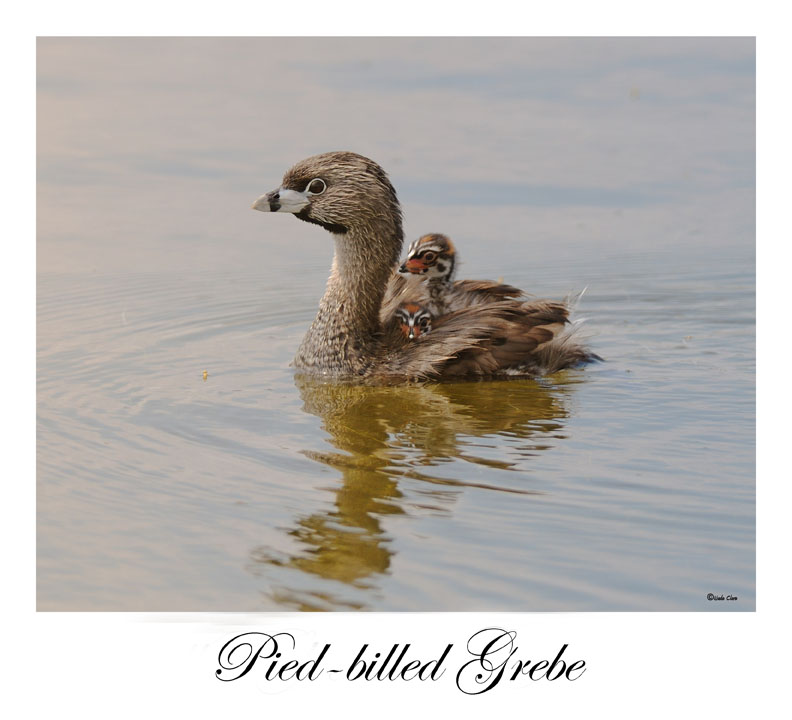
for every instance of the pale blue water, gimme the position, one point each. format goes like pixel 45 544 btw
pixel 623 166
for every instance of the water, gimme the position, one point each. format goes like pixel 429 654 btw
pixel 623 166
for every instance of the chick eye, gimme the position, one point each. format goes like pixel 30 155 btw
pixel 429 256
pixel 424 322
pixel 317 186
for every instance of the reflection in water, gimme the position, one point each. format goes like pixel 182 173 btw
pixel 386 433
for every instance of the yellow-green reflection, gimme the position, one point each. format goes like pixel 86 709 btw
pixel 382 434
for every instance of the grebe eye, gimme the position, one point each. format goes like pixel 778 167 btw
pixel 317 186
pixel 424 322
pixel 429 256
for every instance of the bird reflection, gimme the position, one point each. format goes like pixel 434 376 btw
pixel 382 435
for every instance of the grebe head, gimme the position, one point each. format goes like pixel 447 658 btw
pixel 433 256
pixel 414 320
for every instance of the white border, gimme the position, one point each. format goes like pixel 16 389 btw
pixel 649 665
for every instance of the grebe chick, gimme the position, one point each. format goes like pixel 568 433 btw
pixel 414 320
pixel 433 259
pixel 433 256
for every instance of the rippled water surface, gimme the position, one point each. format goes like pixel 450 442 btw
pixel 181 464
